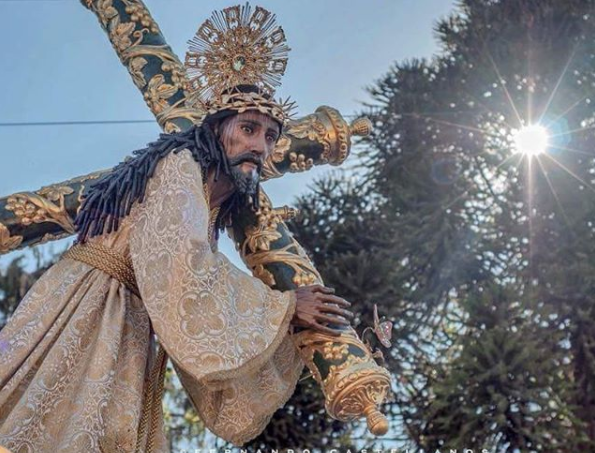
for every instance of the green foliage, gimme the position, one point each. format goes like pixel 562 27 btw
pixel 15 281
pixel 449 222
pixel 183 426
pixel 505 384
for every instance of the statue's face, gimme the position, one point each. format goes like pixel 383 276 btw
pixel 248 139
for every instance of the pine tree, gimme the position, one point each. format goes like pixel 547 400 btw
pixel 503 386
pixel 16 280
pixel 449 221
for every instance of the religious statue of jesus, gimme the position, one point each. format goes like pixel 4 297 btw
pixel 81 369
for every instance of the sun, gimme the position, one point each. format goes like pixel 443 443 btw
pixel 531 140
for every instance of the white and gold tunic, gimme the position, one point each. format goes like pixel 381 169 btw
pixel 76 355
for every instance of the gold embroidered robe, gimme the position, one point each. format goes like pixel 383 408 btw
pixel 76 354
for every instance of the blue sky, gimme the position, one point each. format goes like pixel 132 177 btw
pixel 57 65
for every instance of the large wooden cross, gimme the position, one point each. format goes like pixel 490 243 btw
pixel 354 385
pixel 263 239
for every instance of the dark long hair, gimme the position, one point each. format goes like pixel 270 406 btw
pixel 110 198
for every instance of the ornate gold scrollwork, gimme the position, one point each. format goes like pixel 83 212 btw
pixel 299 162
pixel 49 237
pixel 178 110
pixel 313 129
pixel 338 135
pixel 308 127
pixel 359 393
pixel 256 248
pixel 140 14
pixel 127 35
pixel 40 206
pixel 157 94
pixel 84 183
pixel 171 63
pixel 121 34
pixel 326 127
pixel 354 385
pixel 269 168
pixel 8 242
pixel 105 11
pixel 135 67
pixel 330 348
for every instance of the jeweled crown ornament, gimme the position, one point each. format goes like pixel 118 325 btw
pixel 238 47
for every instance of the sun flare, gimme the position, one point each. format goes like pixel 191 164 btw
pixel 531 140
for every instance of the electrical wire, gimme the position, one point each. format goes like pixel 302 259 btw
pixel 21 1
pixel 72 123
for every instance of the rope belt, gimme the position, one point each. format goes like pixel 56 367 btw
pixel 107 260
pixel 120 268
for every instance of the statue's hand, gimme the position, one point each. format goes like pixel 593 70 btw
pixel 316 305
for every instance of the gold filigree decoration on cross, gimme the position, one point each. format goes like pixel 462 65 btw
pixel 312 128
pixel 8 242
pixel 354 385
pixel 45 205
pixel 257 252
pixel 325 127
pixel 127 25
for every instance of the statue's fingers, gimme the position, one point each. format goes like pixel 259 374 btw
pixel 336 310
pixel 322 289
pixel 333 319
pixel 335 300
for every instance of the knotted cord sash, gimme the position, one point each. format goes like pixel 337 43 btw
pixel 107 260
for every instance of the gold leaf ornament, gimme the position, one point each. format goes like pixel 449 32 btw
pixel 138 13
pixel 135 67
pixel 309 127
pixel 106 11
pixel 55 193
pixel 178 75
pixel 45 205
pixel 8 243
pixel 158 92
pixel 264 275
pixel 120 33
pixel 257 253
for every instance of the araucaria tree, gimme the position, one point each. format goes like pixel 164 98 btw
pixel 472 227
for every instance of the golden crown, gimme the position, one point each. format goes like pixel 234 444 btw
pixel 236 47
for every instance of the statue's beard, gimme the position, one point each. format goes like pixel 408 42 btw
pixel 246 183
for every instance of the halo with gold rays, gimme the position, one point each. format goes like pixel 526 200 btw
pixel 236 46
